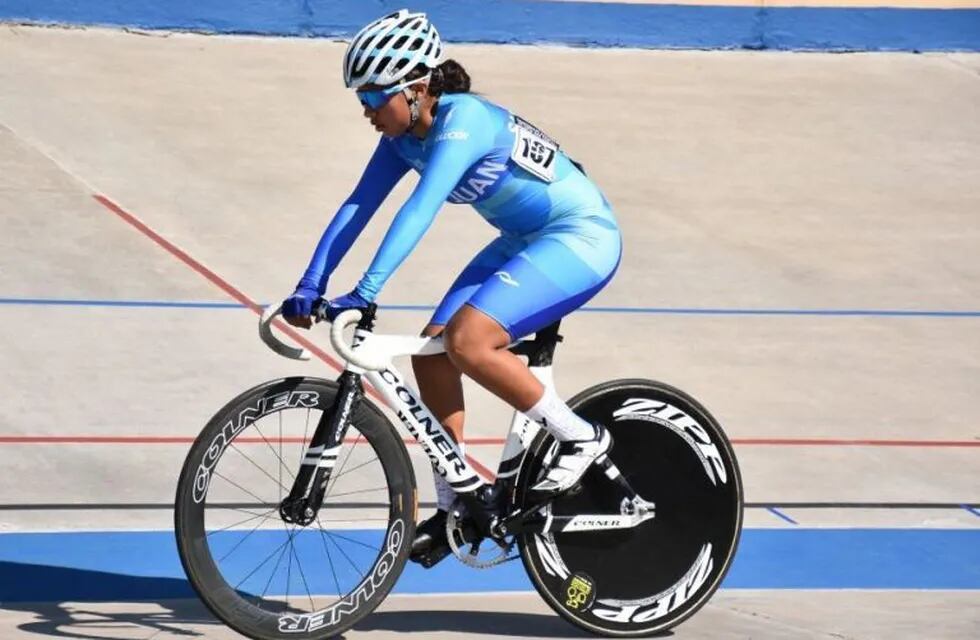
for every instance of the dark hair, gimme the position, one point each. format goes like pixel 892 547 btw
pixel 448 77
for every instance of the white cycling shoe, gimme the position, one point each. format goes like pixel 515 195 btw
pixel 573 460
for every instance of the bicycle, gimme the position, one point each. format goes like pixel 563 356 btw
pixel 637 547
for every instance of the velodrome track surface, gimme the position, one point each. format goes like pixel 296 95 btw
pixel 802 235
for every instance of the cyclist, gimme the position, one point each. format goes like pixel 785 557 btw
pixel 559 242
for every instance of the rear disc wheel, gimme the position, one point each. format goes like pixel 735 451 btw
pixel 643 580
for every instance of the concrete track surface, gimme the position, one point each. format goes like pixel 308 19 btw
pixel 802 254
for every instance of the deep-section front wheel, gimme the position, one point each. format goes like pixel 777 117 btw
pixel 646 579
pixel 270 579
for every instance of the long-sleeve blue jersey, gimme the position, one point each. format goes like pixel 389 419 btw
pixel 476 153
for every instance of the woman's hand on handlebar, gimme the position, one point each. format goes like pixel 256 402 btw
pixel 305 306
pixel 332 308
pixel 299 308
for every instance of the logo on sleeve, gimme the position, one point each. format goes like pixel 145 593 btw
pixel 453 135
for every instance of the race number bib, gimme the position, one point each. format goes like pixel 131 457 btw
pixel 533 150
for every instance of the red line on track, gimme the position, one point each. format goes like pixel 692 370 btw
pixel 171 440
pixel 484 471
pixel 237 295
pixel 240 297
pixel 219 282
pixel 850 442
pixel 785 442
pixel 178 253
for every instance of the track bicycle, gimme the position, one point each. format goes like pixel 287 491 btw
pixel 297 504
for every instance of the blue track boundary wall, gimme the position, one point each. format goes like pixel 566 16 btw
pixel 142 565
pixel 590 24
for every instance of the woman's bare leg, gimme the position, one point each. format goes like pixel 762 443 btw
pixel 477 345
pixel 441 386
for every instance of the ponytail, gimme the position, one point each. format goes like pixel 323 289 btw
pixel 449 77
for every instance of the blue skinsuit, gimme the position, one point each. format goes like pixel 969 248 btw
pixel 559 242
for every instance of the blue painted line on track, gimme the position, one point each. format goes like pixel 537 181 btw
pixel 120 303
pixel 972 510
pixel 787 312
pixel 143 565
pixel 882 313
pixel 590 24
pixel 782 516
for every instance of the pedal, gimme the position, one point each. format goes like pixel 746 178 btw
pixel 544 497
pixel 431 557
pixel 430 545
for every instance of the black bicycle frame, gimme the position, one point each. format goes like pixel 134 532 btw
pixel 308 490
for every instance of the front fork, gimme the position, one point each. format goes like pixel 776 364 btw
pixel 308 490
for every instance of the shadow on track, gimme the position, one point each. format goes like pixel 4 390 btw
pixel 81 603
pixel 472 623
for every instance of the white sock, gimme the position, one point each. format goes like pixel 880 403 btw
pixel 445 496
pixel 555 416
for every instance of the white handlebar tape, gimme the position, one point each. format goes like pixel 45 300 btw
pixel 274 343
pixel 369 362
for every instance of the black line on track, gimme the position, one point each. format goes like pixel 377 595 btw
pixel 155 506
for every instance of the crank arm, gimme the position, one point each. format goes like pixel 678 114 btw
pixel 634 510
pixel 585 522
pixel 612 472
pixel 632 513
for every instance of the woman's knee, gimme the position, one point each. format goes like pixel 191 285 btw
pixel 471 335
pixel 433 330
pixel 425 366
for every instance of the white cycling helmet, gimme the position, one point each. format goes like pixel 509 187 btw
pixel 389 48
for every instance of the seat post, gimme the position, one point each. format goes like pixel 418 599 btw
pixel 540 351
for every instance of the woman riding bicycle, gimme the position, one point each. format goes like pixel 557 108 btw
pixel 559 242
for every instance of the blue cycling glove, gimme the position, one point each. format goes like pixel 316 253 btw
pixel 352 300
pixel 300 304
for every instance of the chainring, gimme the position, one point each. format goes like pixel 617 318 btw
pixel 482 553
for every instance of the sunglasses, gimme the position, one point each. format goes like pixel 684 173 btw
pixel 378 98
